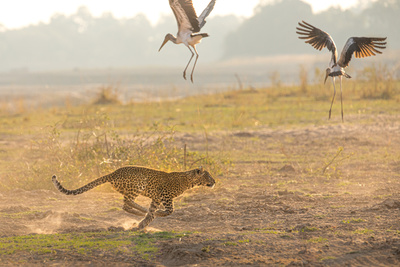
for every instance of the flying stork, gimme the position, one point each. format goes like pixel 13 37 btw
pixel 189 26
pixel 361 46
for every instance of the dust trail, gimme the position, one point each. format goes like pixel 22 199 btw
pixel 128 224
pixel 48 225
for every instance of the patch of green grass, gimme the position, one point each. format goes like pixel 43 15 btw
pixel 284 183
pixel 396 232
pixel 328 258
pixel 274 232
pixel 244 241
pixel 382 196
pixel 85 219
pixel 230 243
pixel 354 252
pixel 342 184
pixel 337 207
pixel 19 215
pixel 363 231
pixel 267 230
pixel 143 244
pixel 317 240
pixel 309 229
pixel 206 249
pixel 353 220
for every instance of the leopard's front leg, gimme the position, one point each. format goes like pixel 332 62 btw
pixel 169 208
pixel 149 216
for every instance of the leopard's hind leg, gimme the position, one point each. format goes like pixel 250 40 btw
pixel 132 207
pixel 130 201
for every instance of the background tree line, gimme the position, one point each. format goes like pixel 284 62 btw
pixel 84 41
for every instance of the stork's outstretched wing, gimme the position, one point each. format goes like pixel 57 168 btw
pixel 317 38
pixel 362 47
pixel 205 13
pixel 185 15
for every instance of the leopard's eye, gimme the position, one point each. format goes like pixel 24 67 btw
pixel 198 171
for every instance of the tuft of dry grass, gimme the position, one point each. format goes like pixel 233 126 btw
pixel 107 95
pixel 303 77
pixel 377 82
pixel 79 151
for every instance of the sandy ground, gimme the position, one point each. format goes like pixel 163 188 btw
pixel 263 211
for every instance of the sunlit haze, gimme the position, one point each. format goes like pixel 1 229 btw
pixel 20 13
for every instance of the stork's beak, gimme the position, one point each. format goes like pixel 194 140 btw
pixel 326 77
pixel 165 41
pixel 328 71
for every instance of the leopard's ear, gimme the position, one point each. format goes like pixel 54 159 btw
pixel 200 170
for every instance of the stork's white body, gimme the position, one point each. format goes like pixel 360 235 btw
pixel 188 39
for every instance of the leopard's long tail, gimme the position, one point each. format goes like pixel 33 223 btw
pixel 83 189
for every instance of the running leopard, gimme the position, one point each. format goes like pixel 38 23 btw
pixel 161 187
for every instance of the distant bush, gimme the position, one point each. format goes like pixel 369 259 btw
pixel 106 96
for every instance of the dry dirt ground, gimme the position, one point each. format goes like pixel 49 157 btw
pixel 275 205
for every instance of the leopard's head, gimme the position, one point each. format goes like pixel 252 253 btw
pixel 202 177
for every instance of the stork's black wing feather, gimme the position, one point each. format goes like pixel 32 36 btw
pixel 184 12
pixel 317 38
pixel 361 47
pixel 205 13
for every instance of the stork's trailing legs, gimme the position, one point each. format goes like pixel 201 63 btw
pixel 194 66
pixel 333 98
pixel 184 72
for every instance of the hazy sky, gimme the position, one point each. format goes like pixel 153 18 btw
pixel 19 13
